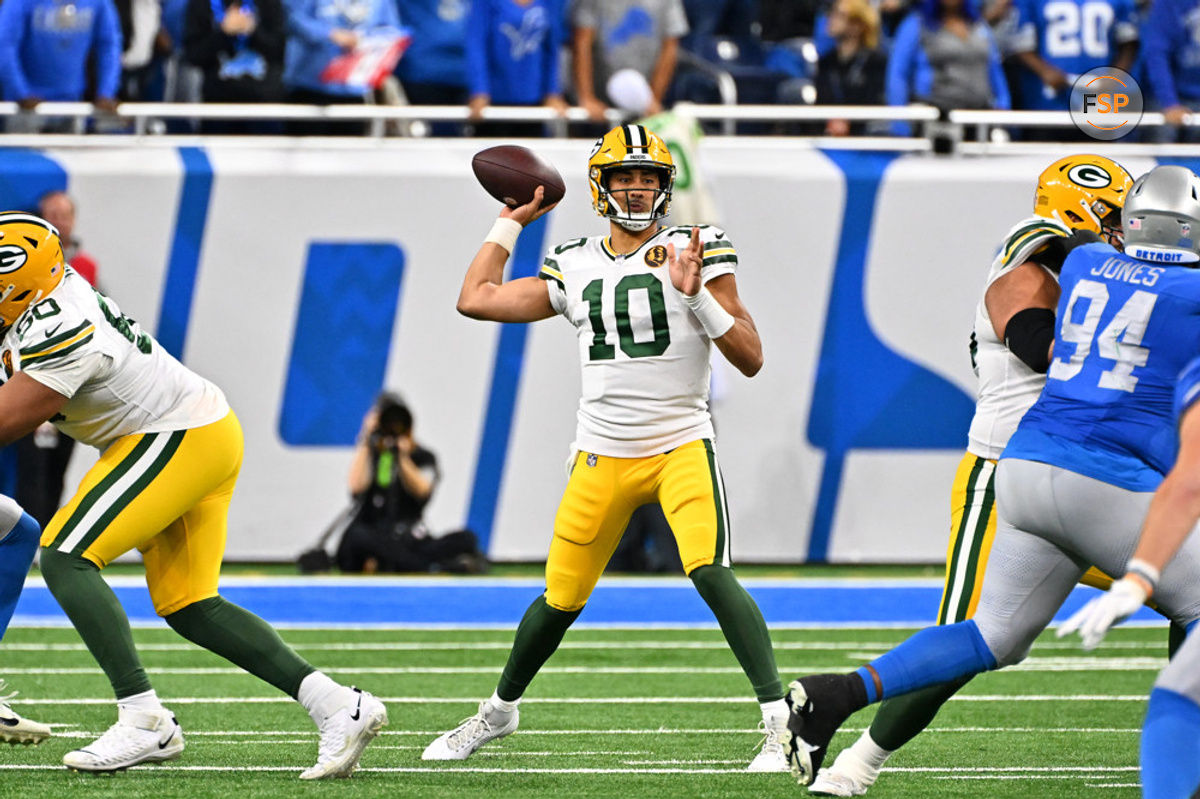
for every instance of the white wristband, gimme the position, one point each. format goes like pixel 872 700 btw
pixel 1144 570
pixel 715 320
pixel 504 233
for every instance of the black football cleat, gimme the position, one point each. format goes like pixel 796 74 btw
pixel 819 705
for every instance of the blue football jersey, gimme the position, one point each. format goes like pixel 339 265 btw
pixel 1073 35
pixel 1187 388
pixel 1125 329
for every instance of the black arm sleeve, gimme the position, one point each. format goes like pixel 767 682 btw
pixel 1056 251
pixel 1028 336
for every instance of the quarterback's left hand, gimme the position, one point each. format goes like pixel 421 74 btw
pixel 1095 618
pixel 685 266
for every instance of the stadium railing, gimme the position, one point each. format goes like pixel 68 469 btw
pixel 149 120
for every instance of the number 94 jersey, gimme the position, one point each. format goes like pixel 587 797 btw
pixel 118 380
pixel 645 357
pixel 1125 330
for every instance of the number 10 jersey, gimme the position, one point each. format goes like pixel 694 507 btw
pixel 644 356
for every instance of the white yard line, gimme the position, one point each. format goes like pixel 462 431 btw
pixel 600 700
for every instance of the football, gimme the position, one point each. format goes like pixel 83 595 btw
pixel 512 173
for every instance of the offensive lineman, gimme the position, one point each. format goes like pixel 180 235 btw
pixel 1076 479
pixel 646 302
pixel 171 449
pixel 1014 325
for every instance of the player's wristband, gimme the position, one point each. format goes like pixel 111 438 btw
pixel 715 320
pixel 1145 571
pixel 505 233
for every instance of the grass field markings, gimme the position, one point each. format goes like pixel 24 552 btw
pixel 600 700
pixel 293 736
pixel 683 762
pixel 1032 665
pixel 1026 773
pixel 504 646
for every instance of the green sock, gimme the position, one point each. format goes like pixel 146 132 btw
pixel 243 639
pixel 98 617
pixel 902 718
pixel 541 630
pixel 743 626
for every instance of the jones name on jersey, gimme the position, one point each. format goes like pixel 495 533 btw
pixel 644 356
pixel 117 379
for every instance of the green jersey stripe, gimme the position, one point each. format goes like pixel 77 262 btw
pixel 545 276
pixel 49 343
pixel 28 360
pixel 960 540
pixel 720 259
pixel 718 501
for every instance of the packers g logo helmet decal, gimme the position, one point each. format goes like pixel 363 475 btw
pixel 12 257
pixel 1090 176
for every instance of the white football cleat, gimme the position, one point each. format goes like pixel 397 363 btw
pixel 486 725
pixel 848 776
pixel 135 738
pixel 345 733
pixel 771 758
pixel 17 730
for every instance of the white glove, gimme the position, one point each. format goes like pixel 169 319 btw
pixel 1115 606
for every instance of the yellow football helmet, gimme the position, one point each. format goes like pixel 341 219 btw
pixel 630 147
pixel 1084 192
pixel 31 262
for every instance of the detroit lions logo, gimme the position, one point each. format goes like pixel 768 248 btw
pixel 12 258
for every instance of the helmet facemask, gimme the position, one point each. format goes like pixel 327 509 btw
pixel 617 202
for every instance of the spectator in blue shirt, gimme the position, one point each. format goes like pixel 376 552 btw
pixel 318 32
pixel 1171 35
pixel 512 58
pixel 1058 40
pixel 48 43
pixel 433 70
pixel 945 55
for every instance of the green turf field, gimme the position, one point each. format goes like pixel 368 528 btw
pixel 617 713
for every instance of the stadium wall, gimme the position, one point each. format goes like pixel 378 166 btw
pixel 302 277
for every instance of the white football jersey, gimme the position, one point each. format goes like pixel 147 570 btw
pixel 118 380
pixel 645 357
pixel 1007 387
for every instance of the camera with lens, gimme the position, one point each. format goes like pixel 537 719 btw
pixel 393 421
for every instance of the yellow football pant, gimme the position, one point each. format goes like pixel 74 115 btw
pixel 972 528
pixel 603 492
pixel 167 494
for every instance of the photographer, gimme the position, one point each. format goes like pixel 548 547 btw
pixel 391 479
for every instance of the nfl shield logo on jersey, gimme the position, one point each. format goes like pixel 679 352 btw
pixel 591 459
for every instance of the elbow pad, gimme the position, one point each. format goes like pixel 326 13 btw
pixel 1028 336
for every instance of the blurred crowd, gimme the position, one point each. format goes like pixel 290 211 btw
pixel 639 55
